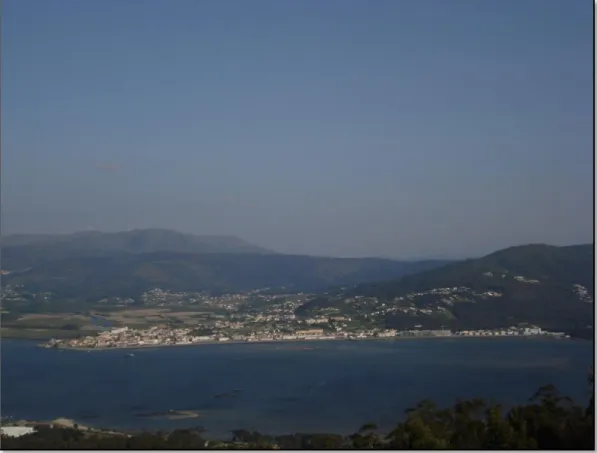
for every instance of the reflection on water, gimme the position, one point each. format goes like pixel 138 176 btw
pixel 336 386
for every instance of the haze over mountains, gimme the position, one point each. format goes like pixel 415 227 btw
pixel 86 264
pixel 135 241
pixel 547 285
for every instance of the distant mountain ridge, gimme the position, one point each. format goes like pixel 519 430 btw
pixel 546 285
pixel 126 274
pixel 133 241
pixel 89 263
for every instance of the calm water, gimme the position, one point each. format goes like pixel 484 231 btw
pixel 337 386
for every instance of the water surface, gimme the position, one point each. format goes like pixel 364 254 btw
pixel 332 386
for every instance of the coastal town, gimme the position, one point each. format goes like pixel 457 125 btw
pixel 165 318
pixel 156 336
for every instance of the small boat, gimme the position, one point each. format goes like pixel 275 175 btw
pixel 130 355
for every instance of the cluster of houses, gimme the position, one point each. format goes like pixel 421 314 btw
pixel 511 331
pixel 163 336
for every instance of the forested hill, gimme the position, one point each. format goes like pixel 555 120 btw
pixel 550 265
pixel 128 275
pixel 545 285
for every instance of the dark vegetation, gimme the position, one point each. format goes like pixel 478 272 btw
pixel 551 304
pixel 555 266
pixel 583 334
pixel 548 421
pixel 129 275
pixel 90 274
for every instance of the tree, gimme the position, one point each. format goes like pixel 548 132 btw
pixel 366 437
pixel 548 421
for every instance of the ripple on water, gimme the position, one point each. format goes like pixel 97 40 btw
pixel 337 385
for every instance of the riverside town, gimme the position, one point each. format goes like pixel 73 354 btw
pixel 125 337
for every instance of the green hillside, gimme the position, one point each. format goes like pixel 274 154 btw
pixel 545 285
pixel 128 275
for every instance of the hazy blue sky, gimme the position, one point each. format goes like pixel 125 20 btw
pixel 401 128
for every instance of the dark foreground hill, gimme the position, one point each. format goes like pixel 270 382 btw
pixel 128 275
pixel 546 285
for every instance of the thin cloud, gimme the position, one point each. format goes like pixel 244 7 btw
pixel 108 168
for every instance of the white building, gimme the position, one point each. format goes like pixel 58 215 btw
pixel 16 431
pixel 387 333
pixel 532 331
pixel 119 330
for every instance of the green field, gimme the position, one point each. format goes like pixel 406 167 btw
pixel 39 334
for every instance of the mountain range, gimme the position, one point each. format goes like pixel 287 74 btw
pixel 546 285
pixel 134 241
pixel 93 264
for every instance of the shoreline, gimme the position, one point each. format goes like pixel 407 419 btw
pixel 310 341
pixel 127 418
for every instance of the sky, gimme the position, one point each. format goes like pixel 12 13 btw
pixel 394 128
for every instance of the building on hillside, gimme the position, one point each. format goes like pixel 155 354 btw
pixel 387 333
pixel 441 333
pixel 16 431
pixel 119 330
pixel 310 332
pixel 339 318
pixel 532 331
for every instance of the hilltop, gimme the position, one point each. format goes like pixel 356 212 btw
pixel 25 250
pixel 129 275
pixel 545 285
pixel 551 287
pixel 549 264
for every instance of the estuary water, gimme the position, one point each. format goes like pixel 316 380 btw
pixel 324 386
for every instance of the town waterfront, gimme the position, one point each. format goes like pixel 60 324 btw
pixel 279 388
